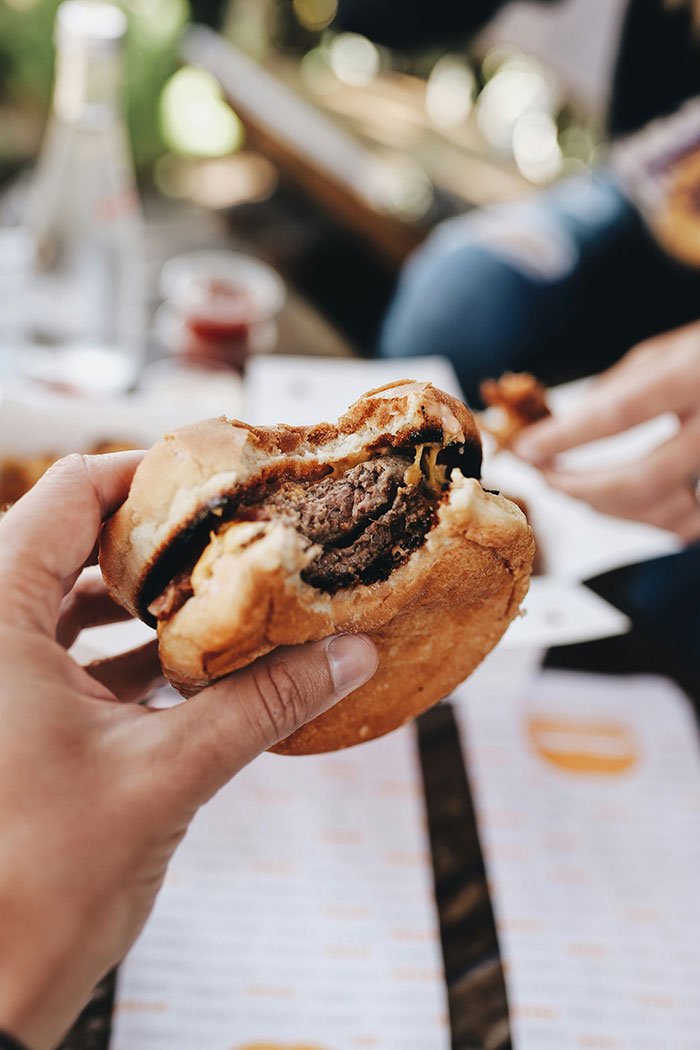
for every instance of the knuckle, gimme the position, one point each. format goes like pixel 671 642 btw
pixel 626 413
pixel 633 490
pixel 602 504
pixel 70 470
pixel 601 495
pixel 656 480
pixel 668 389
pixel 73 463
pixel 281 703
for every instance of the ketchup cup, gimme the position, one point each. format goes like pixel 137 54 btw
pixel 219 306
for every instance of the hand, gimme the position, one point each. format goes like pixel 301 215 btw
pixel 95 794
pixel 661 375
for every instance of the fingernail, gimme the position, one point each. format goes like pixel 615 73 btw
pixel 352 659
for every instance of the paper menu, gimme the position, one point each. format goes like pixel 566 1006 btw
pixel 34 423
pixel 587 793
pixel 297 913
pixel 303 390
pixel 560 612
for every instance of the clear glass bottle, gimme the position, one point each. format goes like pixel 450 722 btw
pixel 86 322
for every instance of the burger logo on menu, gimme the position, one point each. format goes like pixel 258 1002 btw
pixel 594 747
pixel 278 1046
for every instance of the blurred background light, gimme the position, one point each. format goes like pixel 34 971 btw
pixel 315 14
pixel 222 182
pixel 535 147
pixel 317 73
pixel 22 5
pixel 354 59
pixel 155 21
pixel 578 143
pixel 195 118
pixel 519 86
pixel 449 93
pixel 496 57
pixel 401 188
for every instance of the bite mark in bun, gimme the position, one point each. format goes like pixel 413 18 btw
pixel 236 539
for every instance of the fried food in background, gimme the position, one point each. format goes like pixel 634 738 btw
pixel 517 400
pixel 19 473
pixel 677 225
pixel 514 401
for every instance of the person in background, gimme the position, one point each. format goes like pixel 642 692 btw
pixel 565 281
pixel 90 808
pixel 563 284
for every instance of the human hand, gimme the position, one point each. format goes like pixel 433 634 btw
pixel 96 794
pixel 660 375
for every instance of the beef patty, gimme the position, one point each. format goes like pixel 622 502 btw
pixel 366 522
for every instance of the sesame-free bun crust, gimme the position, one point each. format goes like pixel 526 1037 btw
pixel 433 620
pixel 197 464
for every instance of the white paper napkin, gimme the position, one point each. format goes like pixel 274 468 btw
pixel 587 793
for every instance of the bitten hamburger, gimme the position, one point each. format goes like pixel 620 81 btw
pixel 236 539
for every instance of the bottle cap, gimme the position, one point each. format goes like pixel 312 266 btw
pixel 90 23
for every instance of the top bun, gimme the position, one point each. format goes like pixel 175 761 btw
pixel 185 480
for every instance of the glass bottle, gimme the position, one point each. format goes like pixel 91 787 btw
pixel 86 296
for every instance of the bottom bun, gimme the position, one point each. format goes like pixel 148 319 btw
pixel 433 620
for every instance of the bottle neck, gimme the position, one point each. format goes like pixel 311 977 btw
pixel 87 90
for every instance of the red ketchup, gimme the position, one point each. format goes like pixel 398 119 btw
pixel 218 323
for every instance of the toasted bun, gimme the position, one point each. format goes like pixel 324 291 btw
pixel 433 620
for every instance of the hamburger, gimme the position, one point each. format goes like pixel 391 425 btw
pixel 235 539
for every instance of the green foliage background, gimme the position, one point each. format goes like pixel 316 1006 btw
pixel 26 70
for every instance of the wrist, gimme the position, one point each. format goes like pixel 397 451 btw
pixel 38 1011
pixel 36 1017
pixel 43 983
pixel 29 1012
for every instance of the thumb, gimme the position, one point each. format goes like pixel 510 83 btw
pixel 215 734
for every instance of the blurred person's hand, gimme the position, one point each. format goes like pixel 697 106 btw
pixel 660 375
pixel 95 794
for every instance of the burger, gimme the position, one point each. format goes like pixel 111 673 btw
pixel 236 539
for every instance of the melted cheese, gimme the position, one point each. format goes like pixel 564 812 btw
pixel 344 465
pixel 414 474
pixel 436 473
pixel 426 467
